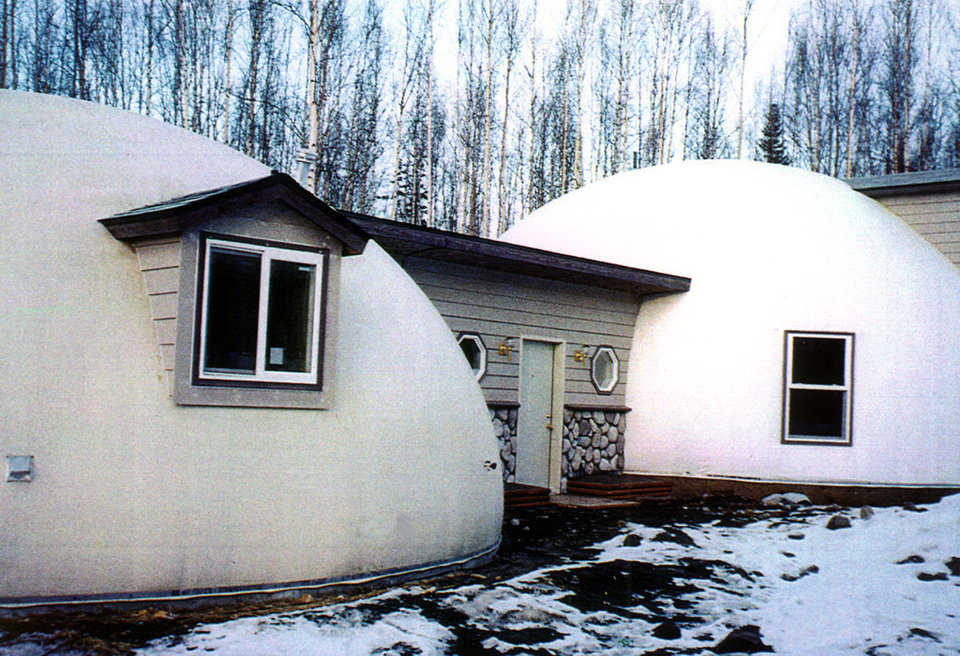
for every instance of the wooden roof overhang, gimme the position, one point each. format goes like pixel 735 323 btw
pixel 901 184
pixel 404 240
pixel 176 215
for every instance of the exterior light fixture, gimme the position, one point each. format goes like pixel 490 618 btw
pixel 580 355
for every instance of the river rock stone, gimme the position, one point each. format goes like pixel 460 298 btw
pixel 585 441
pixel 503 414
pixel 744 639
pixel 598 417
pixel 676 536
pixel 610 451
pixel 610 416
pixel 567 416
pixel 576 461
pixel 605 465
pixel 666 630
pixel 588 468
pixel 632 540
pixel 838 521
pixel 584 427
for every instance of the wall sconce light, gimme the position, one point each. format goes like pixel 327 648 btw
pixel 580 355
pixel 505 347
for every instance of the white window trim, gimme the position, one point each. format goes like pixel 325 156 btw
pixel 846 439
pixel 476 339
pixel 261 373
pixel 615 378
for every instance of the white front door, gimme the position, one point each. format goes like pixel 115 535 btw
pixel 535 421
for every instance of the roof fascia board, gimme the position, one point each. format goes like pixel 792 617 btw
pixel 911 182
pixel 169 218
pixel 907 189
pixel 438 241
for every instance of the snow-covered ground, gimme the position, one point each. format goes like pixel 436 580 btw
pixel 887 584
pixel 808 589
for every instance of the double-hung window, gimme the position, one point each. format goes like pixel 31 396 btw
pixel 818 388
pixel 260 316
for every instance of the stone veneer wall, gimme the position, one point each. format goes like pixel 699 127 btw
pixel 504 420
pixel 592 442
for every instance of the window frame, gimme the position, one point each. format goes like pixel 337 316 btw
pixel 846 439
pixel 478 340
pixel 268 250
pixel 605 389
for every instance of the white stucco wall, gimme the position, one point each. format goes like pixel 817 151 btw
pixel 133 493
pixel 769 249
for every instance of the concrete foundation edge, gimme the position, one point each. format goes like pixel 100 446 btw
pixel 255 593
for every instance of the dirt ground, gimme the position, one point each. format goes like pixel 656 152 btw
pixel 532 538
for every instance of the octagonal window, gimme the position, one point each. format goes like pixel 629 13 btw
pixel 475 353
pixel 604 369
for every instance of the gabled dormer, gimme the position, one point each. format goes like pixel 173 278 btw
pixel 243 283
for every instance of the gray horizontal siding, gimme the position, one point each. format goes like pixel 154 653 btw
pixel 159 262
pixel 498 305
pixel 935 216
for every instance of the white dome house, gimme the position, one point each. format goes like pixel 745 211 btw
pixel 198 398
pixel 818 342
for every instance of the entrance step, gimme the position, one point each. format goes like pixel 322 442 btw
pixel 620 486
pixel 518 495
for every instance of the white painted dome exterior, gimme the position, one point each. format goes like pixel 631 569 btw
pixel 769 249
pixel 134 494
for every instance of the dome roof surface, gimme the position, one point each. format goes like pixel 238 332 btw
pixel 769 249
pixel 136 494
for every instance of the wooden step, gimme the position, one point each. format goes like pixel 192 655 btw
pixel 620 486
pixel 518 495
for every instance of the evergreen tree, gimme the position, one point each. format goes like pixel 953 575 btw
pixel 772 148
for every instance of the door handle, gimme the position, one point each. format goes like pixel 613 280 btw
pixel 549 426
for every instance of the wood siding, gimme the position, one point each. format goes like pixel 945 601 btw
pixel 936 216
pixel 160 265
pixel 499 305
